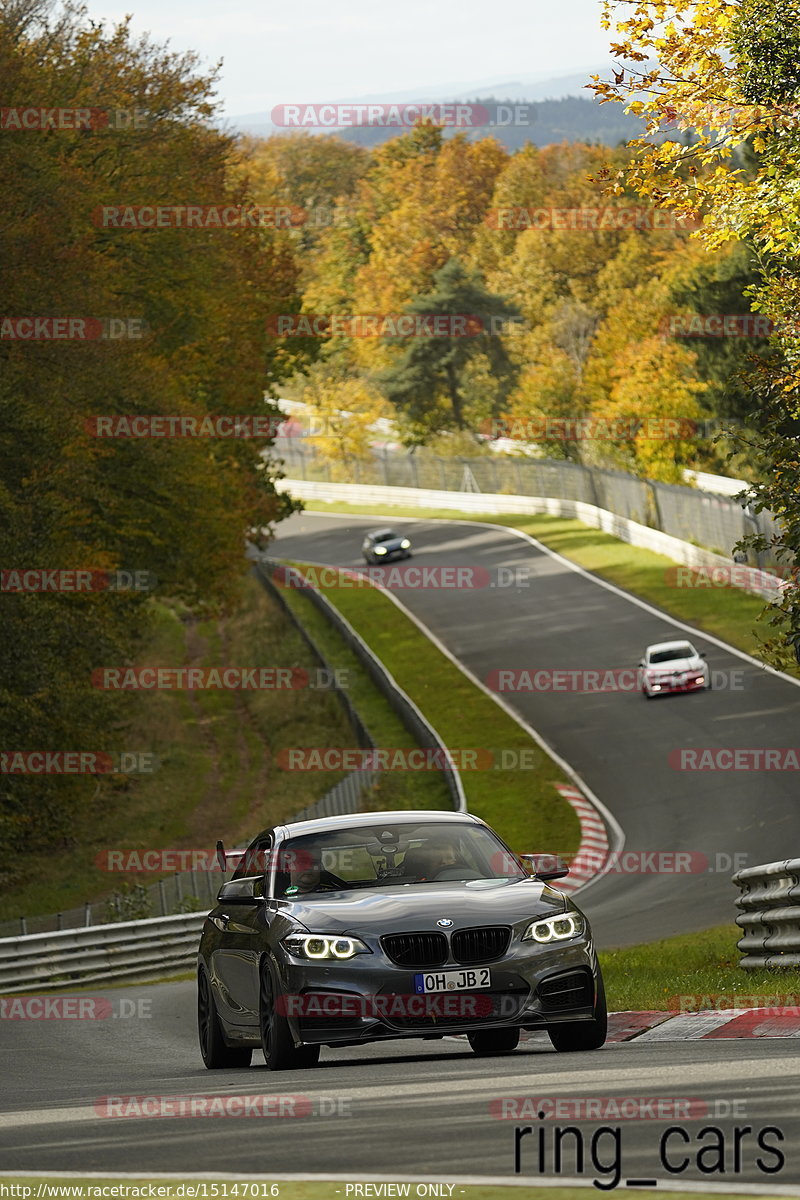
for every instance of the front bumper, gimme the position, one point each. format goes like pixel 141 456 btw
pixel 339 1003
pixel 661 687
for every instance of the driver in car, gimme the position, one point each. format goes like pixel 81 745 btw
pixel 306 873
pixel 428 860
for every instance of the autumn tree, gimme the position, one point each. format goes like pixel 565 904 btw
pixel 728 71
pixel 197 299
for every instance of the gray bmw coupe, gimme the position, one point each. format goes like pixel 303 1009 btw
pixel 354 929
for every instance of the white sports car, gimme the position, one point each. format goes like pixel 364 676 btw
pixel 673 667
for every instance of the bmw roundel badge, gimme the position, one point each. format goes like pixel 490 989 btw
pixel 445 923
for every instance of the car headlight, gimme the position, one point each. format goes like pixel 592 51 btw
pixel 380 549
pixel 554 929
pixel 318 946
pixel 405 544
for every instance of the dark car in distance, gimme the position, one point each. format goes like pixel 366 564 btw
pixel 380 545
pixel 360 928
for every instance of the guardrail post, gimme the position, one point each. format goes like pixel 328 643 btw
pixel 59 920
pixel 87 913
pixel 178 889
pixel 23 926
pixel 163 896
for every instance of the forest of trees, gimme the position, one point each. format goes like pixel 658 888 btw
pixel 600 288
pixel 577 315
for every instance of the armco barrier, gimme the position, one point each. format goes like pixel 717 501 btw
pixel 403 705
pixel 771 918
pixel 125 950
pixel 767 586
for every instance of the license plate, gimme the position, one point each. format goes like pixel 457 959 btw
pixel 452 981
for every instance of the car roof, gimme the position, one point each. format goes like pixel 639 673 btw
pixel 669 645
pixel 379 532
pixel 356 820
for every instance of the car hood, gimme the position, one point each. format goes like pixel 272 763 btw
pixel 676 666
pixel 416 907
pixel 393 544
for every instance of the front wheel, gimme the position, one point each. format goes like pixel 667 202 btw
pixel 216 1054
pixel 493 1041
pixel 280 1052
pixel 583 1035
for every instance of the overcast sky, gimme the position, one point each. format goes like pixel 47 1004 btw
pixel 320 50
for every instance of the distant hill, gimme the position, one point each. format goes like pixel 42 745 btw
pixel 571 119
pixel 559 109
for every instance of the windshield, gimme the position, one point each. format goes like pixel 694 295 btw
pixel 386 535
pixel 391 855
pixel 682 651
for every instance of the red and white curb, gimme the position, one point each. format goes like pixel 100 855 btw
pixel 652 1026
pixel 593 853
pixel 700 1026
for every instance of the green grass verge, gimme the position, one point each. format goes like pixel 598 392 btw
pixel 521 804
pixel 701 968
pixel 396 789
pixel 725 612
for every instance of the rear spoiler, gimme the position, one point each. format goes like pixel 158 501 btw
pixel 229 859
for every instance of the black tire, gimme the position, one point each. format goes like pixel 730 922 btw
pixel 493 1041
pixel 583 1035
pixel 647 695
pixel 217 1055
pixel 277 1043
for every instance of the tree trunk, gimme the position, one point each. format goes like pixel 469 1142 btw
pixel 455 396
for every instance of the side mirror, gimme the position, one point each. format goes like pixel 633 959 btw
pixel 702 654
pixel 242 891
pixel 546 866
pixel 641 662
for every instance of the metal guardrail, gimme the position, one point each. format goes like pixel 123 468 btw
pixel 127 950
pixel 770 919
pixel 757 581
pixel 690 514
pixel 403 705
pixel 158 946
